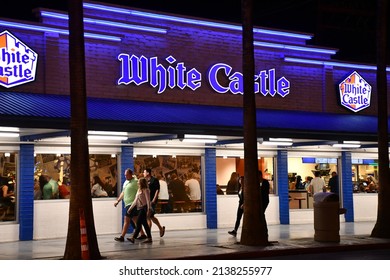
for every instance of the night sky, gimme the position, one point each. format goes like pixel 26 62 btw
pixel 346 25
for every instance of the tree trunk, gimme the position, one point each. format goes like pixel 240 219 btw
pixel 382 226
pixel 80 195
pixel 254 229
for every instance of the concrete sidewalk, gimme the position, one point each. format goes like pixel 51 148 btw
pixel 207 244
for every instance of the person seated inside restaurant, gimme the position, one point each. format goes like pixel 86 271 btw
pixel 372 185
pixel 97 187
pixel 64 188
pixel 219 190
pixel 178 194
pixel 7 196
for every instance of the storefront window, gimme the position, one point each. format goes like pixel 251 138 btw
pixel 8 186
pixel 301 171
pixel 180 181
pixel 52 176
pixel 229 167
pixel 365 175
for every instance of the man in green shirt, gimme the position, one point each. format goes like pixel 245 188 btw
pixel 129 190
pixel 49 187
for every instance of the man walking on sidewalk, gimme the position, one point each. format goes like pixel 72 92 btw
pixel 154 187
pixel 129 190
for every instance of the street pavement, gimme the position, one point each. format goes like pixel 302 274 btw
pixel 287 242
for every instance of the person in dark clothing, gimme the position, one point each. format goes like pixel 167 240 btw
pixel 334 183
pixel 178 192
pixel 6 191
pixel 240 208
pixel 6 196
pixel 298 183
pixel 177 188
pixel 264 190
pixel 154 187
pixel 219 190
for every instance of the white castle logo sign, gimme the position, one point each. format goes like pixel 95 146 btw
pixel 355 93
pixel 18 62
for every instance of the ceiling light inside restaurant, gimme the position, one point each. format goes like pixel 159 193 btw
pixel 277 142
pixel 195 138
pixel 347 144
pixel 107 135
pixel 9 131
pixel 9 134
pixel 116 133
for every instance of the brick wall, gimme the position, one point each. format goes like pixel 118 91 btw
pixel 314 88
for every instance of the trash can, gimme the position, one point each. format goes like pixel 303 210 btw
pixel 327 217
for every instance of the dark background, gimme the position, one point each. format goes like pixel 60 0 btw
pixel 347 25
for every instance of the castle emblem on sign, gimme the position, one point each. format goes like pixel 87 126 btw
pixel 18 62
pixel 355 93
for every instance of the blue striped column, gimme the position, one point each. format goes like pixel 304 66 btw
pixel 26 192
pixel 210 188
pixel 127 161
pixel 282 184
pixel 347 185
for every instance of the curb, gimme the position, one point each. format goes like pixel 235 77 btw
pixel 272 253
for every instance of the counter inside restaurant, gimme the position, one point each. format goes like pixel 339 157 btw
pixel 300 199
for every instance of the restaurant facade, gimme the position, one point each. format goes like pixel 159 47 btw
pixel 165 92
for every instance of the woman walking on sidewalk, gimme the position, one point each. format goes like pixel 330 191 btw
pixel 142 202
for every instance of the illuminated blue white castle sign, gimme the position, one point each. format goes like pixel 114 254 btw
pixel 18 62
pixel 355 93
pixel 142 70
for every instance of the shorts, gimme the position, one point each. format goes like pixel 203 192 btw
pixel 133 212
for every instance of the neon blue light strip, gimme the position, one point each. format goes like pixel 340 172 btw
pixel 193 21
pixel 100 37
pixel 106 23
pixel 56 30
pixel 331 63
pixel 292 47
pixel 106 9
pixel 281 33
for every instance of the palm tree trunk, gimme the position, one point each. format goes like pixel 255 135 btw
pixel 254 229
pixel 382 226
pixel 80 197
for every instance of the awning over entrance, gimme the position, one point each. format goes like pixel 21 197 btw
pixel 53 111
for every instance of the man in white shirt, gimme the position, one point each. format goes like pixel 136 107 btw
pixel 193 188
pixel 317 184
pixel 163 195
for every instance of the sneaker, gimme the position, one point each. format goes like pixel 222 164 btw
pixel 131 239
pixel 233 232
pixel 142 237
pixel 162 232
pixel 119 239
pixel 149 240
